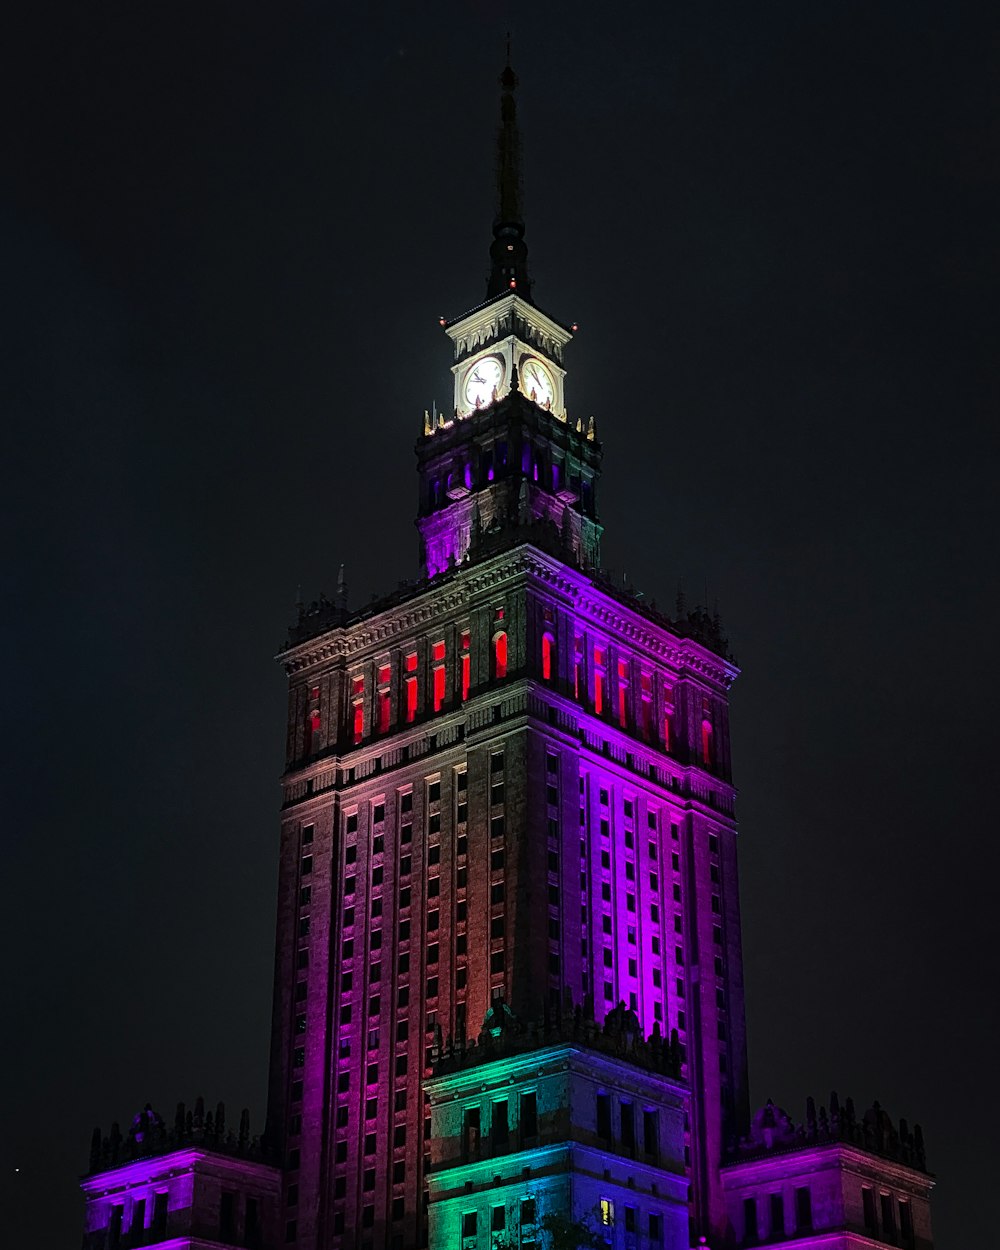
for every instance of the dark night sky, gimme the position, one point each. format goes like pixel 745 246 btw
pixel 227 233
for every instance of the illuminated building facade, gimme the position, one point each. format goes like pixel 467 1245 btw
pixel 508 978
pixel 509 784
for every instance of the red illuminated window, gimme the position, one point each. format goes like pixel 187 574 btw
pixel 410 685
pixel 384 711
pixel 622 693
pixel 500 656
pixel 439 685
pixel 359 720
pixel 384 672
pixel 706 743
pixel 548 646
pixel 668 717
pixel 466 663
pixel 437 651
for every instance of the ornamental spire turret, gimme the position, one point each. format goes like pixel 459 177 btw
pixel 508 251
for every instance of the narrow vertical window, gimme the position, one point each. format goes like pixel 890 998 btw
pixel 622 693
pixel 598 680
pixel 410 683
pixel 868 1209
pixel 439 674
pixel 750 1221
pixel 384 702
pixel 906 1222
pixel 529 1116
pixel 646 701
pixel 466 663
pixel 577 666
pixel 668 717
pixel 706 743
pixel 888 1219
pixel 500 655
pixel 548 644
pixel 778 1215
pixel 314 722
pixel 358 707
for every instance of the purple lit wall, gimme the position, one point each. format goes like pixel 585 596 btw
pixel 513 843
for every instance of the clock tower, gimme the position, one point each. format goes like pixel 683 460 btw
pixel 510 463
pixel 507 799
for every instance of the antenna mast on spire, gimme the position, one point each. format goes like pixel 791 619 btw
pixel 508 251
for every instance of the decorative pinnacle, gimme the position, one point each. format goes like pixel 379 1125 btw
pixel 508 251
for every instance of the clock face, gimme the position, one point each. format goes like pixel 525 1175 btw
pixel 536 382
pixel 482 380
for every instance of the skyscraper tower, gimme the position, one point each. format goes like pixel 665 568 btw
pixel 507 791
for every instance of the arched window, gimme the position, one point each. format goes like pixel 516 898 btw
pixel 706 743
pixel 548 655
pixel 500 655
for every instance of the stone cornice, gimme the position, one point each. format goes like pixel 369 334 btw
pixel 460 589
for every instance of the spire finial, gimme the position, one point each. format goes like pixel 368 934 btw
pixel 508 251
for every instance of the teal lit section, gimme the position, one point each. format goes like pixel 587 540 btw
pixel 587 1128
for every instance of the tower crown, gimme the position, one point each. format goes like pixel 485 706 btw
pixel 510 465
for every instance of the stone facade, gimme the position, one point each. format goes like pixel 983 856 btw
pixel 561 1125
pixel 837 1180
pixel 556 827
pixel 193 1186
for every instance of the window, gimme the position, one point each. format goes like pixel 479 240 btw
pixel 651 1134
pixel 466 643
pixel 777 1207
pixel 529 1116
pixel 706 743
pixel 527 1211
pixel 227 1211
pixel 139 1219
pixel 439 674
pixel 622 693
pixel 498 1219
pixel 607 1210
pixel 499 1126
pixel 548 649
pixel 888 1218
pixel 160 1212
pixel 627 1116
pixel 358 707
pixel 500 655
pixel 469 1224
pixel 598 680
pixel 750 1221
pixel 803 1208
pixel 410 687
pixel 906 1222
pixel 307 834
pixel 656 1230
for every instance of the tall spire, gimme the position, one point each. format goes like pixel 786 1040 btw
pixel 508 251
